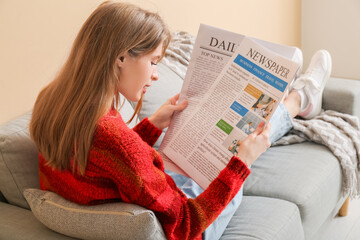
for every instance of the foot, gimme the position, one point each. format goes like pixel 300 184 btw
pixel 311 85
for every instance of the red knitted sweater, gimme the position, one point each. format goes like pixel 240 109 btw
pixel 122 166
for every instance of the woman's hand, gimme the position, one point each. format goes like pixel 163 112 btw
pixel 254 144
pixel 162 117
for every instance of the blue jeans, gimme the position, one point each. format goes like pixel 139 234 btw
pixel 281 123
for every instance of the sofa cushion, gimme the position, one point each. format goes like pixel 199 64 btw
pixel 2 198
pixel 168 85
pixel 261 218
pixel 18 223
pixel 18 161
pixel 306 174
pixel 104 221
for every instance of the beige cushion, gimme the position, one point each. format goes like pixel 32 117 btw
pixel 104 221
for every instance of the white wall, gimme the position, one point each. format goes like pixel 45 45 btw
pixel 333 25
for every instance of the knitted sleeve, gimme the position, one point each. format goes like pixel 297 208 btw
pixel 147 131
pixel 138 172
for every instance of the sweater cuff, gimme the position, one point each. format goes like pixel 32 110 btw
pixel 147 131
pixel 238 167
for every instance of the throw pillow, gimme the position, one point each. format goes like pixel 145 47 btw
pixel 104 221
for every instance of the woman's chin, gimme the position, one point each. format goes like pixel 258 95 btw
pixel 136 98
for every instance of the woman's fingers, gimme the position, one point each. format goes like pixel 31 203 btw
pixel 259 128
pixel 174 99
pixel 174 102
pixel 182 105
pixel 267 129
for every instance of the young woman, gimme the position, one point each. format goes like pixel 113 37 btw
pixel 88 155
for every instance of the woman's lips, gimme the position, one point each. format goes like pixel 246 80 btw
pixel 145 87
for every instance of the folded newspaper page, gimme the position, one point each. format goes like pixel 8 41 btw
pixel 232 84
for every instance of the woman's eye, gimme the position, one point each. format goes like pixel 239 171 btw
pixel 154 64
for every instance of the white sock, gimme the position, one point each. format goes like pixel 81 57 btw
pixel 304 100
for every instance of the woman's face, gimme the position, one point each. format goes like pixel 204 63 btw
pixel 137 73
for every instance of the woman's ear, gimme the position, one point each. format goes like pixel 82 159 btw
pixel 120 61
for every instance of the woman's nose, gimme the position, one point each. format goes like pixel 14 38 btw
pixel 155 74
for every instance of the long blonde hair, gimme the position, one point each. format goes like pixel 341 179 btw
pixel 66 111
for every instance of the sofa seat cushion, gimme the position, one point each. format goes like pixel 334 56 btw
pixel 306 174
pixel 262 218
pixel 19 223
pixel 105 221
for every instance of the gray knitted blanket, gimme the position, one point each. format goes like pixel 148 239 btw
pixel 337 131
pixel 341 134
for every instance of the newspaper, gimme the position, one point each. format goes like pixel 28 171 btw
pixel 233 82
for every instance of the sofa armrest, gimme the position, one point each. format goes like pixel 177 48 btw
pixel 342 95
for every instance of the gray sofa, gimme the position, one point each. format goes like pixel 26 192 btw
pixel 293 192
